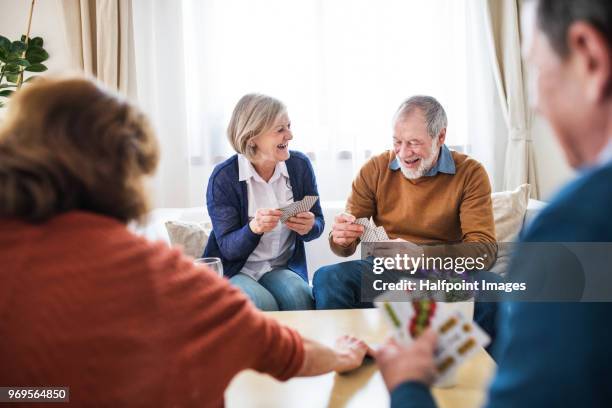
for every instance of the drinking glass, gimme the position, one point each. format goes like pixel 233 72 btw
pixel 213 263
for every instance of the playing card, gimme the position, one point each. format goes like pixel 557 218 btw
pixel 458 337
pixel 297 207
pixel 371 232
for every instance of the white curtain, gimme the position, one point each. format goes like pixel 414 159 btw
pixel 504 43
pixel 342 67
pixel 100 37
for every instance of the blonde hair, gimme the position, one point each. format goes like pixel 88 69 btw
pixel 68 144
pixel 253 115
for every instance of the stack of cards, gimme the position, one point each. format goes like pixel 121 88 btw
pixel 458 337
pixel 297 207
pixel 372 233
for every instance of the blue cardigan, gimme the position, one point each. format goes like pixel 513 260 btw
pixel 232 239
pixel 551 354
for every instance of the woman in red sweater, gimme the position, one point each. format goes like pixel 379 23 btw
pixel 86 304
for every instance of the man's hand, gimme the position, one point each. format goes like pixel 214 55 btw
pixel 399 363
pixel 351 352
pixel 265 220
pixel 344 232
pixel 301 223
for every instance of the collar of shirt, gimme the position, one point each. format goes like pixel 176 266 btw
pixel 445 163
pixel 246 171
pixel 605 157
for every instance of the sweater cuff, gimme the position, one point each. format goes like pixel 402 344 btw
pixel 412 394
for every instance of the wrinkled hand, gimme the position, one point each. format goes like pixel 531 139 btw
pixel 344 232
pixel 351 352
pixel 415 362
pixel 265 220
pixel 301 223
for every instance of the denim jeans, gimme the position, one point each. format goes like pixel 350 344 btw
pixel 338 286
pixel 279 289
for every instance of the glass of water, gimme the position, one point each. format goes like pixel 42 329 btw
pixel 213 263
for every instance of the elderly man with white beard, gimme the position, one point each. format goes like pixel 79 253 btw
pixel 420 192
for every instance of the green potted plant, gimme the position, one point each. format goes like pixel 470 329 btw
pixel 17 57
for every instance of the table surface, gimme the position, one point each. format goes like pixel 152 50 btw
pixel 362 388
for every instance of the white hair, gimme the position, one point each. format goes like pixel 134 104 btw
pixel 435 116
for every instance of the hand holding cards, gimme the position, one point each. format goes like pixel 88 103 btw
pixel 371 233
pixel 458 337
pixel 297 207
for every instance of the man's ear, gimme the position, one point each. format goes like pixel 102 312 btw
pixel 593 59
pixel 442 136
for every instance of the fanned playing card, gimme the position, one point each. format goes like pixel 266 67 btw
pixel 458 336
pixel 305 204
pixel 371 233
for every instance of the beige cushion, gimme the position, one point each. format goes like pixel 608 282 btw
pixel 191 236
pixel 509 208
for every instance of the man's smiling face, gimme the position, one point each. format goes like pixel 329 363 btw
pixel 416 151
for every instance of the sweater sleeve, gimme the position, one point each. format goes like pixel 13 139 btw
pixel 310 188
pixel 361 203
pixel 477 225
pixel 216 331
pixel 236 241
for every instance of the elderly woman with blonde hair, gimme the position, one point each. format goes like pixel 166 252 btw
pixel 87 304
pixel 261 255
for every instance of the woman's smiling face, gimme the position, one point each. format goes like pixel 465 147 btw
pixel 273 144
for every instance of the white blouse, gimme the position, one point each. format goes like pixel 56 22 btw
pixel 275 247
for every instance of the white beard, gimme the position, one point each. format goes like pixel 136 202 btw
pixel 424 167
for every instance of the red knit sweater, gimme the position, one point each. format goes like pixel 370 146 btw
pixel 85 303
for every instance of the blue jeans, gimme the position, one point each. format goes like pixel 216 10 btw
pixel 279 289
pixel 338 286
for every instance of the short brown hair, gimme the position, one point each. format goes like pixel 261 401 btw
pixel 68 144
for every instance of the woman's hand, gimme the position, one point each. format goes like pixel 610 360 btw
pixel 347 354
pixel 351 351
pixel 265 220
pixel 301 223
pixel 399 363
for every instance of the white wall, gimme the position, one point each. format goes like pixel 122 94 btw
pixel 551 168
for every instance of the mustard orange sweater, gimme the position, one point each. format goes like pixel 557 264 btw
pixel 441 209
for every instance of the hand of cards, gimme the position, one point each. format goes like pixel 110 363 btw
pixel 458 337
pixel 371 233
pixel 297 207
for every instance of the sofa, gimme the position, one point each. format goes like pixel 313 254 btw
pixel 318 252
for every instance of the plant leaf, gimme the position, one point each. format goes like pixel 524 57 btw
pixel 6 92
pixel 18 47
pixel 5 43
pixel 3 55
pixel 12 68
pixel 23 62
pixel 14 78
pixel 36 68
pixel 7 86
pixel 36 55
pixel 36 42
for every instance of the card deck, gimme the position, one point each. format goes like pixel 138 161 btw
pixel 458 337
pixel 305 204
pixel 372 233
